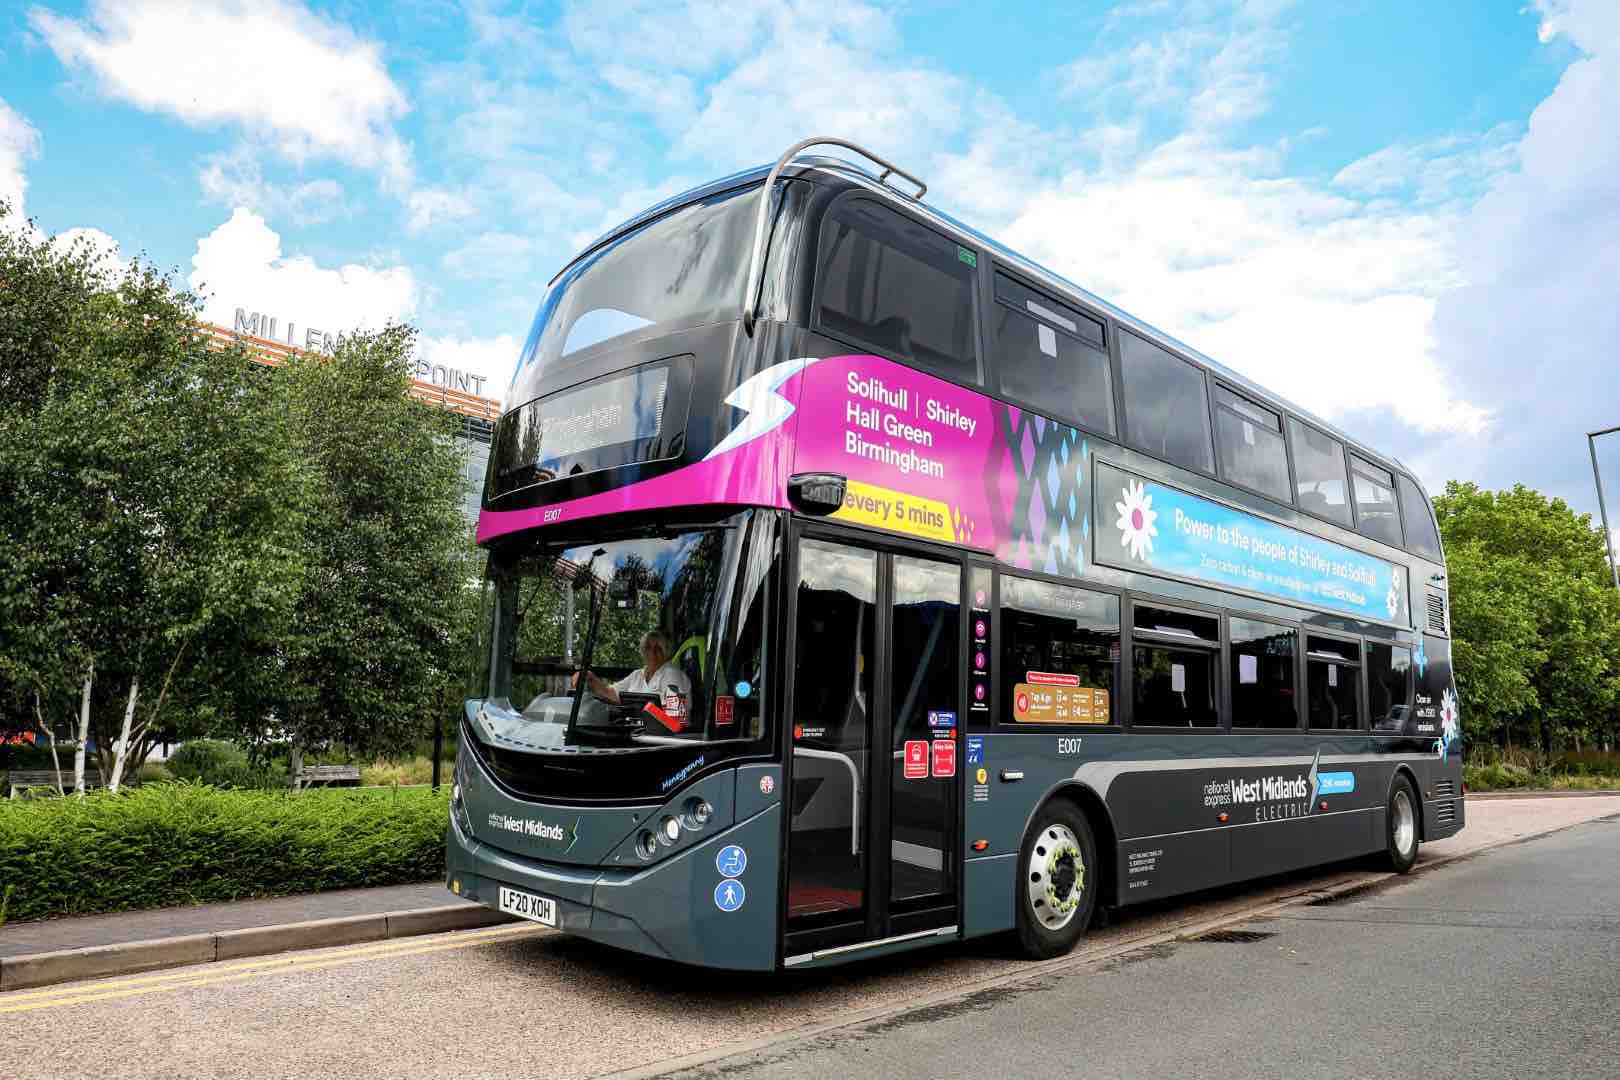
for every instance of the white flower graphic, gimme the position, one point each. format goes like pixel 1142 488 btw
pixel 1136 517
pixel 1392 599
pixel 1449 728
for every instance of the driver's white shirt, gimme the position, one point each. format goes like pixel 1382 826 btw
pixel 637 682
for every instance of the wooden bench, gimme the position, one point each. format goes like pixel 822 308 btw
pixel 327 776
pixel 21 780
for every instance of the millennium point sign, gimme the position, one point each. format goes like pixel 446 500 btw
pixel 259 325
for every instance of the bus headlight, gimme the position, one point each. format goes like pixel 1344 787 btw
pixel 697 813
pixel 669 830
pixel 646 844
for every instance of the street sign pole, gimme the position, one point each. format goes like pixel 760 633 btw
pixel 1603 511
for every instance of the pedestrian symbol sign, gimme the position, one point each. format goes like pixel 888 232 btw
pixel 731 861
pixel 729 895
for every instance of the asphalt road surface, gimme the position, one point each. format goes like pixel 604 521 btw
pixel 1503 964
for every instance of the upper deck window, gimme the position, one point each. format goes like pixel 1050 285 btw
pixel 1376 515
pixel 1251 444
pixel 1319 472
pixel 678 271
pixel 1415 508
pixel 898 287
pixel 1166 404
pixel 1053 356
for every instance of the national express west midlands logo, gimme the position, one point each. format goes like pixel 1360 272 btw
pixel 554 833
pixel 1279 796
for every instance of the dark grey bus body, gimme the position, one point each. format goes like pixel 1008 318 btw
pixel 1174 810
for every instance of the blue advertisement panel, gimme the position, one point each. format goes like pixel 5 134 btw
pixel 1145 525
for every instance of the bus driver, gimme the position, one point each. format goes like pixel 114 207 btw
pixel 656 676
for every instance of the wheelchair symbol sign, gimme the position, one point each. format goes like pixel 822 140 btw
pixel 729 895
pixel 731 861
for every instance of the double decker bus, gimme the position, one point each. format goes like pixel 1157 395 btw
pixel 856 584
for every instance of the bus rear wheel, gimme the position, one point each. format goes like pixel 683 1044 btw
pixel 1057 886
pixel 1401 826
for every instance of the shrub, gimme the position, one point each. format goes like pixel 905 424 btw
pixel 222 765
pixel 167 844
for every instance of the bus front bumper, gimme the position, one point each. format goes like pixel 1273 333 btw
pixel 671 908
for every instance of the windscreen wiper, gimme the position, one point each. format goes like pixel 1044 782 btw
pixel 593 618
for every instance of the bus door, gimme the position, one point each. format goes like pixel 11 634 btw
pixel 875 805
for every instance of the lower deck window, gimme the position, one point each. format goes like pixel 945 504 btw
pixel 1059 653
pixel 1332 679
pixel 1389 681
pixel 1174 660
pixel 1264 694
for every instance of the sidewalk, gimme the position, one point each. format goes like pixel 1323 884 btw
pixel 82 931
pixel 91 946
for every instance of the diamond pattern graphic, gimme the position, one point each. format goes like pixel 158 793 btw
pixel 1048 467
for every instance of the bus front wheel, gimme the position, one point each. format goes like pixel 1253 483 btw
pixel 1401 826
pixel 1057 887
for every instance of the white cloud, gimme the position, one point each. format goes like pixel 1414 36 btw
pixel 310 86
pixel 492 357
pixel 19 142
pixel 427 206
pixel 237 179
pixel 240 264
pixel 492 255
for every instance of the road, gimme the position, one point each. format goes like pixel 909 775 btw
pixel 1525 938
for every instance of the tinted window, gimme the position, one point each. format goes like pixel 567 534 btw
pixel 1250 441
pixel 1415 509
pixel 1173 657
pixel 902 289
pixel 1053 356
pixel 1376 515
pixel 1389 679
pixel 1332 675
pixel 1318 472
pixel 1166 410
pixel 1263 690
pixel 1059 653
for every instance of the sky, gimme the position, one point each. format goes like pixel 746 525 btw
pixel 1404 217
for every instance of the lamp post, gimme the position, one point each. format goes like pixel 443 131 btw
pixel 1603 512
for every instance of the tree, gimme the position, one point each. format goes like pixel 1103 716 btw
pixel 1535 619
pixel 378 638
pixel 153 496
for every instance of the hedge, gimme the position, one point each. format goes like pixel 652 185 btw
pixel 162 845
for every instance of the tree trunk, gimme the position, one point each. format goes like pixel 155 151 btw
pixel 84 731
pixel 121 748
pixel 295 763
pixel 56 762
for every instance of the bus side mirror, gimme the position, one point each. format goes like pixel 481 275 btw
pixel 817 493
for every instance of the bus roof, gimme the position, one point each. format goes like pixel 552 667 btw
pixel 850 171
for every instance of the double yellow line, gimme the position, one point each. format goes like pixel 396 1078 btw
pixel 51 997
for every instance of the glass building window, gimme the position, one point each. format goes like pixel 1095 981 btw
pixel 1053 356
pixel 1389 685
pixel 1332 679
pixel 1059 653
pixel 1376 515
pixel 1250 441
pixel 1264 694
pixel 1174 656
pixel 900 288
pixel 1166 404
pixel 1419 514
pixel 1319 483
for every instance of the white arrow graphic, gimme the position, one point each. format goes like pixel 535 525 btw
pixel 758 397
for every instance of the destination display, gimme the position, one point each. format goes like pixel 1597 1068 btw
pixel 1145 525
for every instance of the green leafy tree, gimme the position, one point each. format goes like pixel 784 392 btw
pixel 153 497
pixel 1535 618
pixel 380 633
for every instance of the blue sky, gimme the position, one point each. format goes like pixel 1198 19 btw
pixel 1404 216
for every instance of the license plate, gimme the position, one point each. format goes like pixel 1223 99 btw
pixel 540 909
